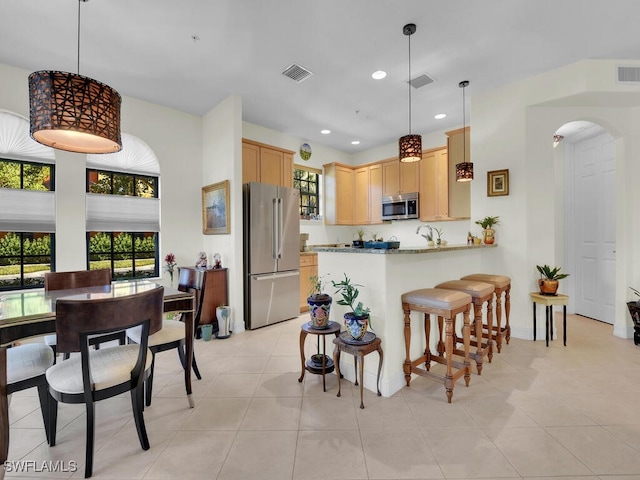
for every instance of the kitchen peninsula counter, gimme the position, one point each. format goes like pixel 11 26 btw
pixel 383 276
pixel 401 251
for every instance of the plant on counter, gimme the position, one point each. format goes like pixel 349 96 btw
pixel 429 232
pixel 549 279
pixel 434 235
pixel 319 303
pixel 376 238
pixel 360 242
pixel 488 231
pixel 357 320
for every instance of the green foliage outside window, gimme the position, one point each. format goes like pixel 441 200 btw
pixel 25 175
pixel 308 183
pixel 133 254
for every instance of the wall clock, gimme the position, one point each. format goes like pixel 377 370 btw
pixel 305 151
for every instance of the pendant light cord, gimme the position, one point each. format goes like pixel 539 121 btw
pixel 409 84
pixel 78 64
pixel 464 126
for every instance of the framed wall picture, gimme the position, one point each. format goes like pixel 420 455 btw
pixel 215 208
pixel 498 183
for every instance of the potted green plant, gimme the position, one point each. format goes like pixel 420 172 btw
pixel 549 279
pixel 360 242
pixel 488 231
pixel 428 236
pixel 357 320
pixel 319 303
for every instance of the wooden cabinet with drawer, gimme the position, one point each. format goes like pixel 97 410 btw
pixel 308 268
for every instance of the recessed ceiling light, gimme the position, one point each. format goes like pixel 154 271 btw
pixel 440 116
pixel 379 74
pixel 325 132
pixel 355 142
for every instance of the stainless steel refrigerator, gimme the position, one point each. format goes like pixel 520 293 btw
pixel 271 254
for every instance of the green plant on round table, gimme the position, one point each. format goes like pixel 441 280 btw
pixel 357 320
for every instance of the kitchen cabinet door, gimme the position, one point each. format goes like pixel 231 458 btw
pixel 308 268
pixel 338 194
pixel 250 163
pixel 400 177
pixel 375 193
pixel 434 185
pixel 361 206
pixel 266 164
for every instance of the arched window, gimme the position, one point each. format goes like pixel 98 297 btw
pixel 123 210
pixel 27 205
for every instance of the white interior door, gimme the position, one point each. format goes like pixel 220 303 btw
pixel 595 221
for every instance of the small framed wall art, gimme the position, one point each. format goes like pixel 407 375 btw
pixel 498 183
pixel 215 208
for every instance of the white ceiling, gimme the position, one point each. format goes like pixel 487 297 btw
pixel 145 49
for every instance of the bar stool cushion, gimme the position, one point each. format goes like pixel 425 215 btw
pixel 473 288
pixel 437 298
pixel 498 281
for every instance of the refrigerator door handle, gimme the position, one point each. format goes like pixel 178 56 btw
pixel 280 227
pixel 271 276
pixel 275 239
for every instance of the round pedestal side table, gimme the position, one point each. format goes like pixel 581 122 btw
pixel 321 363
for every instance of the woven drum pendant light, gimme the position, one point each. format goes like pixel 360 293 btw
pixel 410 146
pixel 72 112
pixel 464 170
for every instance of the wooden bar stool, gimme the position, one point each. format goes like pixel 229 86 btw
pixel 445 304
pixel 480 292
pixel 501 283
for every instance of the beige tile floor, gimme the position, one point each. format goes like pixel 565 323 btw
pixel 536 412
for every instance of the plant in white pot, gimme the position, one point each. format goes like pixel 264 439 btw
pixel 319 303
pixel 357 320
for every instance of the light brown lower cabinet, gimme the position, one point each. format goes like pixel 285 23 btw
pixel 308 268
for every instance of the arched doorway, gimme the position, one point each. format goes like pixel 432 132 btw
pixel 590 217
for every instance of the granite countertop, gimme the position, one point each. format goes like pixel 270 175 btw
pixel 400 251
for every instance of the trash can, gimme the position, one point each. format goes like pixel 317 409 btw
pixel 223 314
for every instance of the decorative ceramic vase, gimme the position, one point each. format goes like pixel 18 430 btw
pixel 634 311
pixel 223 314
pixel 358 244
pixel 548 287
pixel 319 307
pixel 489 236
pixel 356 325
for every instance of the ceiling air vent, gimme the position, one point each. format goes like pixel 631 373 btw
pixel 629 74
pixel 296 73
pixel 421 81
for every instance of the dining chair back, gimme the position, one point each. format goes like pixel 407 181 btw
pixel 173 333
pixel 80 279
pixel 95 375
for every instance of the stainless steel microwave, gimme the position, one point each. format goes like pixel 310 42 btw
pixel 400 207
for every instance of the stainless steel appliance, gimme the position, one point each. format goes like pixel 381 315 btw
pixel 400 207
pixel 271 254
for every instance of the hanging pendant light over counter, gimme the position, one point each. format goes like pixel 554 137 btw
pixel 410 146
pixel 72 112
pixel 464 170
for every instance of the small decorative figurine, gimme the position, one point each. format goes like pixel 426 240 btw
pixel 217 261
pixel 202 260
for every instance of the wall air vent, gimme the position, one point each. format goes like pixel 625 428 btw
pixel 296 73
pixel 628 74
pixel 421 81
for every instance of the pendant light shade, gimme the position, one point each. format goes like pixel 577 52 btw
pixel 72 112
pixel 410 146
pixel 464 170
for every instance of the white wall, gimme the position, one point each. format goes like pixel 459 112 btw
pixel 513 128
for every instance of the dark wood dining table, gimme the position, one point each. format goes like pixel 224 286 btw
pixel 33 312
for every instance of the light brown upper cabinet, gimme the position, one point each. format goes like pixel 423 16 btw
pixel 400 177
pixel 266 164
pixel 458 145
pixel 434 185
pixel 339 194
pixel 367 207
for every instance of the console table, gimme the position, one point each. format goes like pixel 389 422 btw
pixel 214 292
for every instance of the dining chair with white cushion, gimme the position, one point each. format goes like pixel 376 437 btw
pixel 173 333
pixel 96 375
